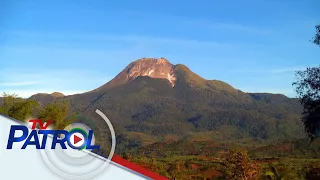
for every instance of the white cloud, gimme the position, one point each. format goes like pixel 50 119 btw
pixel 239 27
pixel 101 37
pixel 49 81
pixel 279 70
pixel 188 22
pixel 22 83
pixel 286 69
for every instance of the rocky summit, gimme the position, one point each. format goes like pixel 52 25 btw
pixel 152 67
pixel 149 67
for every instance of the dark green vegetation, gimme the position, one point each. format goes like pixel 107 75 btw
pixel 307 87
pixel 25 109
pixel 316 38
pixel 18 108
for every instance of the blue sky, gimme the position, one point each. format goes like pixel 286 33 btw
pixel 76 46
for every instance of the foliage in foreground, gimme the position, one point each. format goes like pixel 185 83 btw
pixel 239 166
pixel 316 38
pixel 24 109
pixel 18 108
pixel 235 165
pixel 308 88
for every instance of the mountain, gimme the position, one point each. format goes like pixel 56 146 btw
pixel 152 99
pixel 45 98
pixel 154 68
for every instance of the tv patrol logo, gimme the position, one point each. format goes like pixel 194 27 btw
pixel 70 147
pixel 76 138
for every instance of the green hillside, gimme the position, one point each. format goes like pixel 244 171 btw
pixel 154 109
pixel 190 128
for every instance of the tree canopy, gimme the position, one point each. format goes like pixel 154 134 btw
pixel 308 89
pixel 316 39
pixel 18 108
pixel 23 109
pixel 56 111
pixel 307 86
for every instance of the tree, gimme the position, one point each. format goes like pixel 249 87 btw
pixel 239 166
pixel 57 111
pixel 22 109
pixel 7 103
pixel 18 108
pixel 307 87
pixel 316 38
